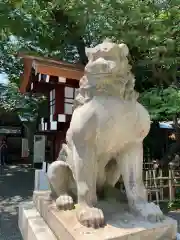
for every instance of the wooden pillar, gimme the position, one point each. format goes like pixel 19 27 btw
pixel 59 108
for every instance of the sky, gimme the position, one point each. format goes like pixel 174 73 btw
pixel 3 79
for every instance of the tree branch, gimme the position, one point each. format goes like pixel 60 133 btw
pixel 62 18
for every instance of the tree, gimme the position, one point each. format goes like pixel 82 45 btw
pixel 62 29
pixel 164 104
pixel 25 106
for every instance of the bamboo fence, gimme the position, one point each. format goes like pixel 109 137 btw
pixel 161 184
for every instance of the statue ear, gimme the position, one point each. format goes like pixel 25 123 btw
pixel 124 49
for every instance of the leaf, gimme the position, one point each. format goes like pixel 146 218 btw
pixel 61 29
pixel 162 103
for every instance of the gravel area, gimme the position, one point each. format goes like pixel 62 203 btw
pixel 16 185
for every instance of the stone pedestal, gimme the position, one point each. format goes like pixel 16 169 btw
pixel 120 224
pixel 32 225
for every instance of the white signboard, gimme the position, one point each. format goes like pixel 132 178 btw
pixel 39 148
pixel 25 148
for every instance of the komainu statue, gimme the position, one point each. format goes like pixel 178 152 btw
pixel 107 123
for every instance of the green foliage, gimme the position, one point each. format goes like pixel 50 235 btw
pixel 174 205
pixel 150 28
pixel 162 103
pixel 9 63
pixel 61 29
pixel 12 100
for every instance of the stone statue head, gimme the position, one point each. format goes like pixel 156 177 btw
pixel 107 59
pixel 106 73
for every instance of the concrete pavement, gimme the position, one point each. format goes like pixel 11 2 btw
pixel 16 185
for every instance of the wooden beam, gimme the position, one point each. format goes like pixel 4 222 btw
pixel 58 71
pixel 52 68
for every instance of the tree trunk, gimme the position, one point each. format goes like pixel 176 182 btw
pixel 76 39
pixel 81 50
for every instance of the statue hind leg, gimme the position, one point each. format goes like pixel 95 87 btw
pixel 60 177
pixel 131 162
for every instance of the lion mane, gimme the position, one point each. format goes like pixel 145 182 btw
pixel 120 84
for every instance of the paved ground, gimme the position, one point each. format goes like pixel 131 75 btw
pixel 176 215
pixel 16 185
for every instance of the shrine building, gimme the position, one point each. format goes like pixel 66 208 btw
pixel 57 81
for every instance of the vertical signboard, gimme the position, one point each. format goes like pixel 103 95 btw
pixel 25 148
pixel 39 148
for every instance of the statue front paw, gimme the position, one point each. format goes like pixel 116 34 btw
pixel 149 211
pixel 90 217
pixel 65 202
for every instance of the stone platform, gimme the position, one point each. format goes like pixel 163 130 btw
pixel 32 225
pixel 120 224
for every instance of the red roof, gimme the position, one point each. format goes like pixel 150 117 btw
pixel 49 67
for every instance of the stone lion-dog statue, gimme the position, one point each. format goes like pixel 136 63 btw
pixel 107 123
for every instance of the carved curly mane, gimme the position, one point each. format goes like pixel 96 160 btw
pixel 116 80
pixel 108 73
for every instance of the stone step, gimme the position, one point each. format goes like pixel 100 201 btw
pixel 32 225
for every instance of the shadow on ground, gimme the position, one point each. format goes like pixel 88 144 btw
pixel 16 185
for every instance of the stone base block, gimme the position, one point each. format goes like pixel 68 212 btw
pixel 120 224
pixel 32 225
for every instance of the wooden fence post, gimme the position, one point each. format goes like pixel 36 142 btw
pixel 171 192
